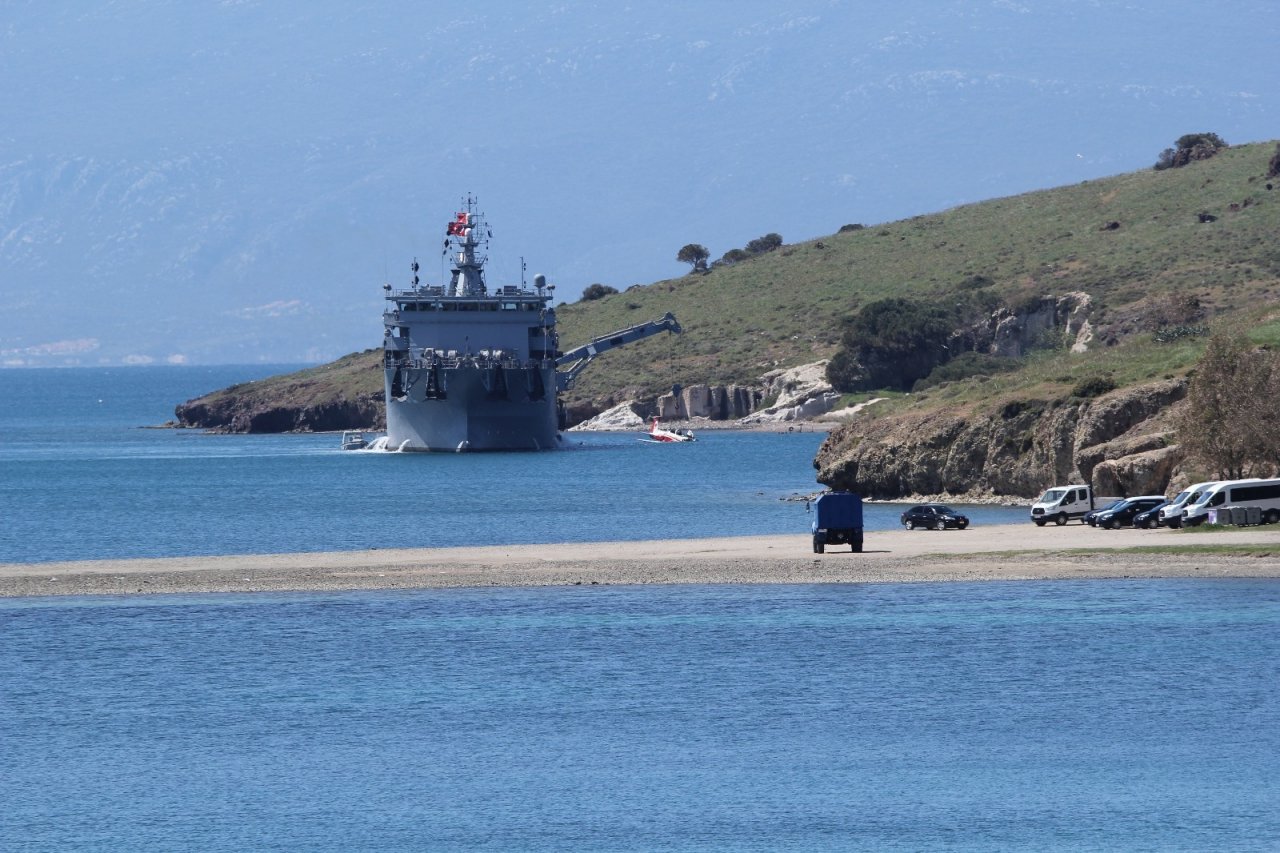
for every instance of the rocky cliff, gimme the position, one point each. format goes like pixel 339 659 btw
pixel 1121 443
pixel 345 394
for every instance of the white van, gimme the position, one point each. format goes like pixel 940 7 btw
pixel 1171 515
pixel 1062 503
pixel 1264 494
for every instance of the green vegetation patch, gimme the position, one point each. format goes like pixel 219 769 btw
pixel 1135 243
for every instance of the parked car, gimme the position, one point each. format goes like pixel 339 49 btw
pixel 934 517
pixel 1091 517
pixel 1123 515
pixel 1151 518
pixel 1171 515
pixel 1062 503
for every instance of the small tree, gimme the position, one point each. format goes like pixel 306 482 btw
pixel 695 255
pixel 597 291
pixel 1229 418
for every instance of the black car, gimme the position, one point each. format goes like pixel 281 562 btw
pixel 1091 517
pixel 1124 514
pixel 934 517
pixel 1150 519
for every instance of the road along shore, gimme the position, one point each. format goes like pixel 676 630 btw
pixel 995 552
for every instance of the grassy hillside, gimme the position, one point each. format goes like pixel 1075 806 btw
pixel 1133 242
pixel 1129 241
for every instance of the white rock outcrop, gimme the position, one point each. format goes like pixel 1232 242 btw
pixel 803 394
pixel 620 417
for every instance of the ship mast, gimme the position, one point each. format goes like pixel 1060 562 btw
pixel 465 233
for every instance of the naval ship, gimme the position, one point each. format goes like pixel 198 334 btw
pixel 471 368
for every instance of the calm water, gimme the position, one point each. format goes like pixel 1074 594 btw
pixel 79 479
pixel 1072 715
pixel 1067 715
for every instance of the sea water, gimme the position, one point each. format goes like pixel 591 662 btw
pixel 1066 715
pixel 81 477
pixel 1053 715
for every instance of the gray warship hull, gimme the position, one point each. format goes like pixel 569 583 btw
pixel 472 408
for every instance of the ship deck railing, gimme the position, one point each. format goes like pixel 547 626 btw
pixel 467 360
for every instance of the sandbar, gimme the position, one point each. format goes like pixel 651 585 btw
pixel 992 552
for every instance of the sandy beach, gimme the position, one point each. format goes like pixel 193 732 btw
pixel 997 552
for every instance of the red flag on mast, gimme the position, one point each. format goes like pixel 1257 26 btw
pixel 457 228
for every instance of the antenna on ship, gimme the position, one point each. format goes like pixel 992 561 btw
pixel 523 267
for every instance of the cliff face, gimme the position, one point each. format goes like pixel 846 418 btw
pixel 251 414
pixel 1120 443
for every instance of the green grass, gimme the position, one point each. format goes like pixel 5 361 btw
pixel 787 307
pixel 352 376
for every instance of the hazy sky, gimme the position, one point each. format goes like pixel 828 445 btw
pixel 233 181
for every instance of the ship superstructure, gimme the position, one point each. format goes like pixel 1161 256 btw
pixel 468 367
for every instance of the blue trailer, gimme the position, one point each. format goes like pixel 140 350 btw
pixel 837 520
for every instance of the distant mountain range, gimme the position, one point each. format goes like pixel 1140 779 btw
pixel 201 183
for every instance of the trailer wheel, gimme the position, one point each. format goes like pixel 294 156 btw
pixel 1273 515
pixel 1060 519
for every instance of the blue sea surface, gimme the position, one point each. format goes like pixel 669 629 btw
pixel 1040 716
pixel 1069 715
pixel 82 478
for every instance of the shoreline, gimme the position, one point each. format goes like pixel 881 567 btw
pixel 994 552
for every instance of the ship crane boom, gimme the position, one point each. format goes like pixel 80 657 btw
pixel 579 357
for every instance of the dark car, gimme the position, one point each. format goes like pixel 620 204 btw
pixel 934 517
pixel 1123 515
pixel 1091 517
pixel 1150 519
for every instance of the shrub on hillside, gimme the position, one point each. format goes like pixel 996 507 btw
pixel 767 243
pixel 976 282
pixel 966 366
pixel 1189 148
pixel 890 343
pixel 597 291
pixel 758 246
pixel 1169 334
pixel 1094 386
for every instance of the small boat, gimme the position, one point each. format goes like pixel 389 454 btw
pixel 658 435
pixel 354 440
